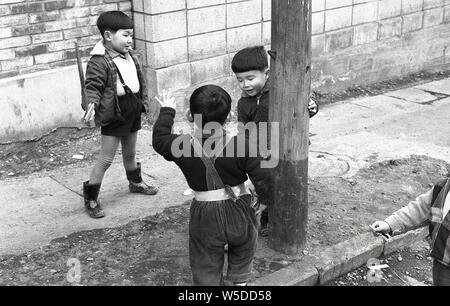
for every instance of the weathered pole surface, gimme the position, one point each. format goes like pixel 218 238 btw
pixel 289 97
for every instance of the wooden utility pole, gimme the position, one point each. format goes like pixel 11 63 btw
pixel 289 97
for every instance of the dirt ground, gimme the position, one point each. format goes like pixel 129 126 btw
pixel 154 250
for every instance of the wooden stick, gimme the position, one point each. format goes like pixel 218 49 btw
pixel 82 80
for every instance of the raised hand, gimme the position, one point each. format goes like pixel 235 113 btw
pixel 166 100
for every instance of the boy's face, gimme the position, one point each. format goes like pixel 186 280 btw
pixel 121 40
pixel 253 81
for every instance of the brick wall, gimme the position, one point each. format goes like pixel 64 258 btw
pixel 188 42
pixel 39 35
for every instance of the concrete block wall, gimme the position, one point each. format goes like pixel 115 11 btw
pixel 365 41
pixel 38 35
pixel 188 42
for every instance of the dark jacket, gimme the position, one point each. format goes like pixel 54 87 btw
pixel 232 170
pixel 256 108
pixel 101 85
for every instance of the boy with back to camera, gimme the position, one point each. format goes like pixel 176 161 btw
pixel 251 68
pixel 115 85
pixel 221 212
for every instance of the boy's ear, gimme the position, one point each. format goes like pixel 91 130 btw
pixel 189 116
pixel 107 35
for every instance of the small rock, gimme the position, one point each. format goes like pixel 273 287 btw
pixel 90 259
pixel 53 271
pixel 399 258
pixel 305 252
pixel 11 174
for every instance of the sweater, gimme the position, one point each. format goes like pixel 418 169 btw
pixel 232 170
pixel 428 208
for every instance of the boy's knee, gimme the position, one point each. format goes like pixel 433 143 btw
pixel 105 162
pixel 129 157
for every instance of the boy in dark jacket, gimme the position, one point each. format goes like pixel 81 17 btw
pixel 221 211
pixel 116 86
pixel 251 68
pixel 432 207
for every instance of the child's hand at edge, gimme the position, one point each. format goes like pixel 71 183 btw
pixel 312 107
pixel 166 100
pixel 381 226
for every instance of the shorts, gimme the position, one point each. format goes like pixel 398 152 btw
pixel 131 108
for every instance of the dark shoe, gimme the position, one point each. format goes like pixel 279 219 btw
pixel 91 204
pixel 137 185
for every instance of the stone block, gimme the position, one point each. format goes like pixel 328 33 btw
pixel 7 54
pixel 318 5
pixel 331 4
pixel 365 33
pixel 390 27
pixel 365 12
pixel 167 53
pixel 13 20
pixel 267 33
pixel 447 14
pixel 138 6
pixel 141 46
pixel 411 6
pixel 241 37
pixel 318 22
pixel 15 42
pixel 347 256
pixel 201 3
pixel 162 6
pixel 49 57
pixel 139 25
pixel 338 18
pixel 5 32
pixel 243 13
pixel 433 17
pixel 400 241
pixel 338 40
pixel 317 45
pixel 432 3
pixel 302 273
pixel 165 26
pixel 207 45
pixel 209 69
pixel 389 8
pixel 412 22
pixel 177 76
pixel 206 19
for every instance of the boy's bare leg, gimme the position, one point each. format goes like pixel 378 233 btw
pixel 91 188
pixel 104 161
pixel 129 151
pixel 133 168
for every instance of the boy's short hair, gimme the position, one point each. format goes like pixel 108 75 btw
pixel 212 102
pixel 114 21
pixel 251 58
